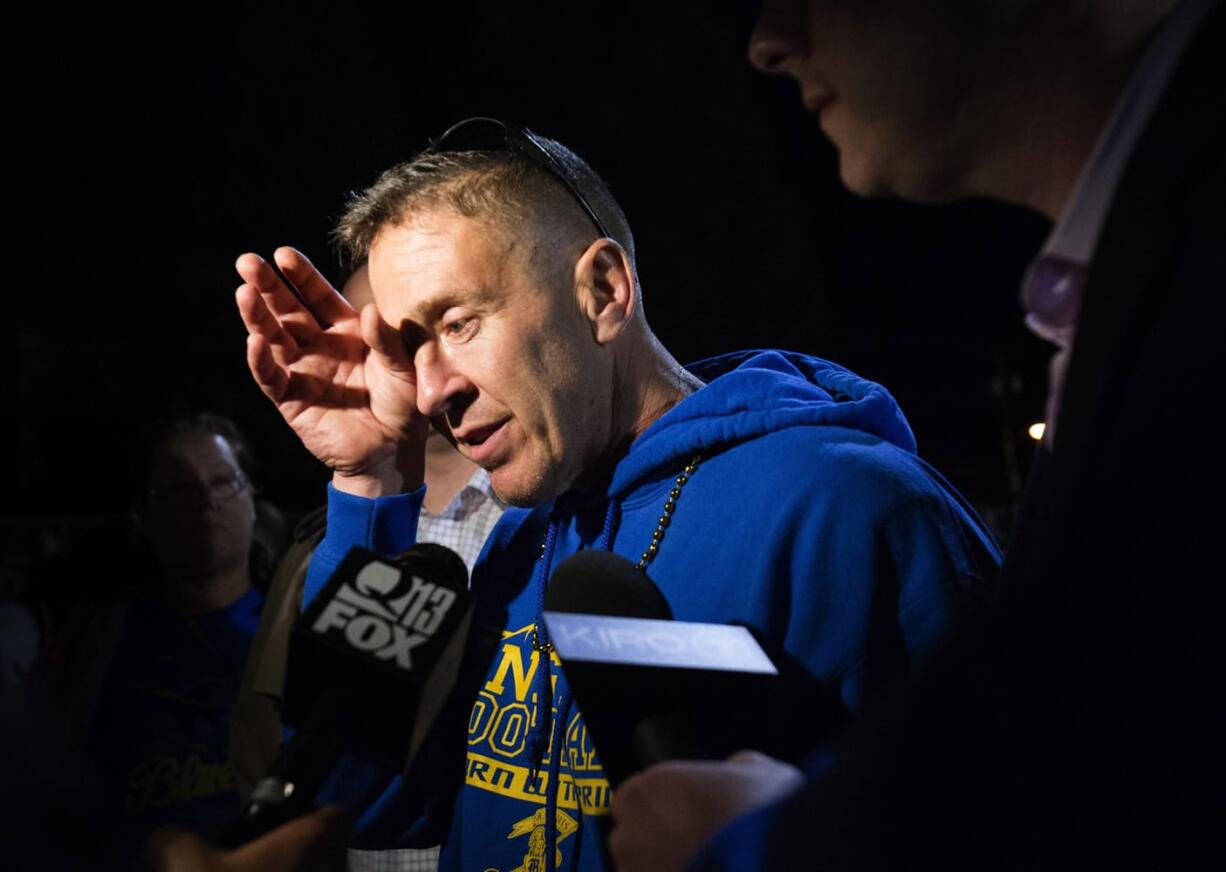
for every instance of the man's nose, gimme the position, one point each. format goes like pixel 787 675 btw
pixel 439 382
pixel 778 34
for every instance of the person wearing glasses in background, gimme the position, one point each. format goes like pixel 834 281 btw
pixel 767 488
pixel 154 682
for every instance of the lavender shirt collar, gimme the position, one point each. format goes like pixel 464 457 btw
pixel 1053 287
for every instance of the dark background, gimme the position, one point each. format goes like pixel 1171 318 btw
pixel 147 152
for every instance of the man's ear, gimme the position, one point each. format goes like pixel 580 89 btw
pixel 606 289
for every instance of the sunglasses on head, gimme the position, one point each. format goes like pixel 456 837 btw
pixel 490 134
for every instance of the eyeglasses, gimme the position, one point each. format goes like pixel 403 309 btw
pixel 217 489
pixel 490 134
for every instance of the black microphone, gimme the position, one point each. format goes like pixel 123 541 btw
pixel 372 659
pixel 604 583
pixel 653 689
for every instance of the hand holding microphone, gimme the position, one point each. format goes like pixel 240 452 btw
pixel 372 659
pixel 654 689
pixel 664 814
pixel 665 700
pixel 316 842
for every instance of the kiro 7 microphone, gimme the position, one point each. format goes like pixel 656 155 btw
pixel 653 689
pixel 372 659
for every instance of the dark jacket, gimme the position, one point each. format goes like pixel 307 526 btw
pixel 1076 723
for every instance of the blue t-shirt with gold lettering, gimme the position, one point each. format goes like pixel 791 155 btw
pixel 161 733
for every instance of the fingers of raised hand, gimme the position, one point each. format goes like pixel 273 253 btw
pixel 321 298
pixel 261 322
pixel 294 392
pixel 386 343
pixel 297 319
pixel 271 376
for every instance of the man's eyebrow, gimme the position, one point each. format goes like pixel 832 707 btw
pixel 434 305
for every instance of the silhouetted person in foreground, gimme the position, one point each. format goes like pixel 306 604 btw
pixel 1073 724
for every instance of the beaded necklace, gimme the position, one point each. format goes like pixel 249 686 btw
pixel 653 548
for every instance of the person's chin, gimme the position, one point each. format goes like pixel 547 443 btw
pixel 861 176
pixel 511 491
pixel 923 179
pixel 521 487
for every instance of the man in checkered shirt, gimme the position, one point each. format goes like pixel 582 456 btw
pixel 462 523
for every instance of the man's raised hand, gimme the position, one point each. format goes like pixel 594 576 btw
pixel 341 380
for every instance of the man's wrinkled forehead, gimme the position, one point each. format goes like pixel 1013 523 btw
pixel 441 256
pixel 443 229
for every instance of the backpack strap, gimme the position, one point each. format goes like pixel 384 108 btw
pixel 255 726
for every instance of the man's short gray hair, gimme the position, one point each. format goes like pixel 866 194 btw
pixel 501 187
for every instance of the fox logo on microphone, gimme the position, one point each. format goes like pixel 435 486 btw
pixel 385 611
pixel 386 635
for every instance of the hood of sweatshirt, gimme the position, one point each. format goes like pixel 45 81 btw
pixel 745 395
pixel 751 393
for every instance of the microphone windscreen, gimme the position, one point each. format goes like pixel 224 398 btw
pixel 651 688
pixel 440 562
pixel 372 658
pixel 382 633
pixel 603 583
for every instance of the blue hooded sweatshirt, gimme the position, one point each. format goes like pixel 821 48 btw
pixel 809 518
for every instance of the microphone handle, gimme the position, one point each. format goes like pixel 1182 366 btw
pixel 289 789
pixel 666 736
